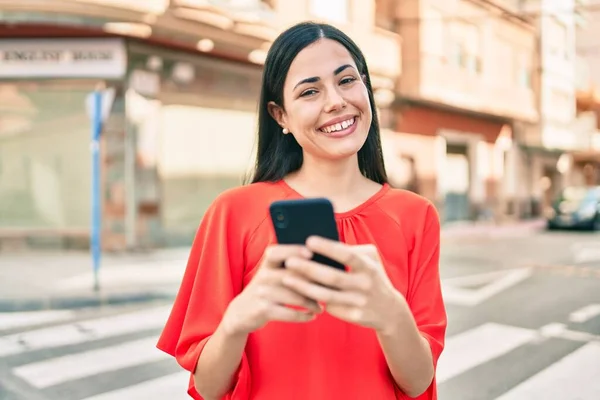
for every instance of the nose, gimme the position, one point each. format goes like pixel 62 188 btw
pixel 335 100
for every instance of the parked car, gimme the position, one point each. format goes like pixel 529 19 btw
pixel 577 207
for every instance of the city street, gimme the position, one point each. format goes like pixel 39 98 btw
pixel 524 318
pixel 524 323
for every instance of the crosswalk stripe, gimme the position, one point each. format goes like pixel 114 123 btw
pixel 585 314
pixel 14 320
pixel 587 255
pixel 62 369
pixel 463 352
pixel 83 331
pixel 573 377
pixel 477 346
pixel 172 387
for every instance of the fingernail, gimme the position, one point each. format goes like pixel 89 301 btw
pixel 306 252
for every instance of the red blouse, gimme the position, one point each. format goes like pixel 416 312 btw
pixel 325 359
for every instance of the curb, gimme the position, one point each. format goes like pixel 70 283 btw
pixel 491 231
pixel 82 301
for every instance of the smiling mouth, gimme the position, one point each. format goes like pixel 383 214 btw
pixel 340 126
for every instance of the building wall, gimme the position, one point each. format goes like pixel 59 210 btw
pixel 588 47
pixel 468 74
pixel 45 179
pixel 381 47
pixel 480 62
pixel 169 156
pixel 401 147
pixel 558 83
pixel 557 130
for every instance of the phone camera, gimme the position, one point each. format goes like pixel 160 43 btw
pixel 280 219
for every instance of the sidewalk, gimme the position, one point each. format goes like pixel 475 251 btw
pixel 485 229
pixel 57 280
pixel 54 280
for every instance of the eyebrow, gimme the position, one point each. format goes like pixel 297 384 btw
pixel 314 79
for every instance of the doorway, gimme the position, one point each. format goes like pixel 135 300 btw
pixel 458 177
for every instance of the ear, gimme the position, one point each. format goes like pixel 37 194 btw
pixel 277 113
pixel 364 78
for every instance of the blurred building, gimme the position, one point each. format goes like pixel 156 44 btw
pixel 549 147
pixel 585 165
pixel 186 76
pixel 467 90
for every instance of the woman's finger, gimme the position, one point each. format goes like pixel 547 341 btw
pixel 347 313
pixel 277 312
pixel 324 294
pixel 285 296
pixel 275 255
pixel 327 276
pixel 340 252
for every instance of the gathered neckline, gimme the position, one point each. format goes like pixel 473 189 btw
pixel 340 215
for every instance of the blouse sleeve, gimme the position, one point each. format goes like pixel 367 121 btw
pixel 213 277
pixel 424 294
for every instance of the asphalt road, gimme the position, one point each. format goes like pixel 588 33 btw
pixel 524 318
pixel 524 323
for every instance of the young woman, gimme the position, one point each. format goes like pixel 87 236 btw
pixel 245 327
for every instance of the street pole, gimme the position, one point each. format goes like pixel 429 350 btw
pixel 95 235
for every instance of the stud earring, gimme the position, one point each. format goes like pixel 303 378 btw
pixel 285 131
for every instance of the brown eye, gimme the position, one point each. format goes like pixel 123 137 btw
pixel 308 92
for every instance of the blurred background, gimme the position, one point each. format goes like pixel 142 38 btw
pixel 489 108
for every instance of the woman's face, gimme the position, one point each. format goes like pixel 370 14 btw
pixel 327 105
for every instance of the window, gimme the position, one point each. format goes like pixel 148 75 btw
pixel 332 10
pixel 465 46
pixel 44 153
pixel 523 69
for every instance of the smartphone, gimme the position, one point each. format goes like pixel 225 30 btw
pixel 296 220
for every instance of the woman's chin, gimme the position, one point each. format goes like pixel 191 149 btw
pixel 343 148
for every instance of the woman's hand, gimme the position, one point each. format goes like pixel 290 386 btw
pixel 363 295
pixel 266 298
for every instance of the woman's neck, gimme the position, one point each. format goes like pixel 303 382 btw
pixel 340 181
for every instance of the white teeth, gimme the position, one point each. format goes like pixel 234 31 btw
pixel 339 126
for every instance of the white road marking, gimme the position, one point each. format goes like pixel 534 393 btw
pixel 458 290
pixel 172 387
pixel 471 348
pixel 12 320
pixel 84 331
pixel 62 369
pixel 585 314
pixel 558 330
pixel 586 252
pixel 574 377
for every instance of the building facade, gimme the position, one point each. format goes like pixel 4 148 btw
pixel 586 163
pixel 186 79
pixel 467 90
pixel 560 149
pixel 547 146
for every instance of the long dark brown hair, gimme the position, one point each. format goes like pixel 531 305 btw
pixel 278 154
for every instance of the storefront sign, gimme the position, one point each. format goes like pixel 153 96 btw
pixel 63 58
